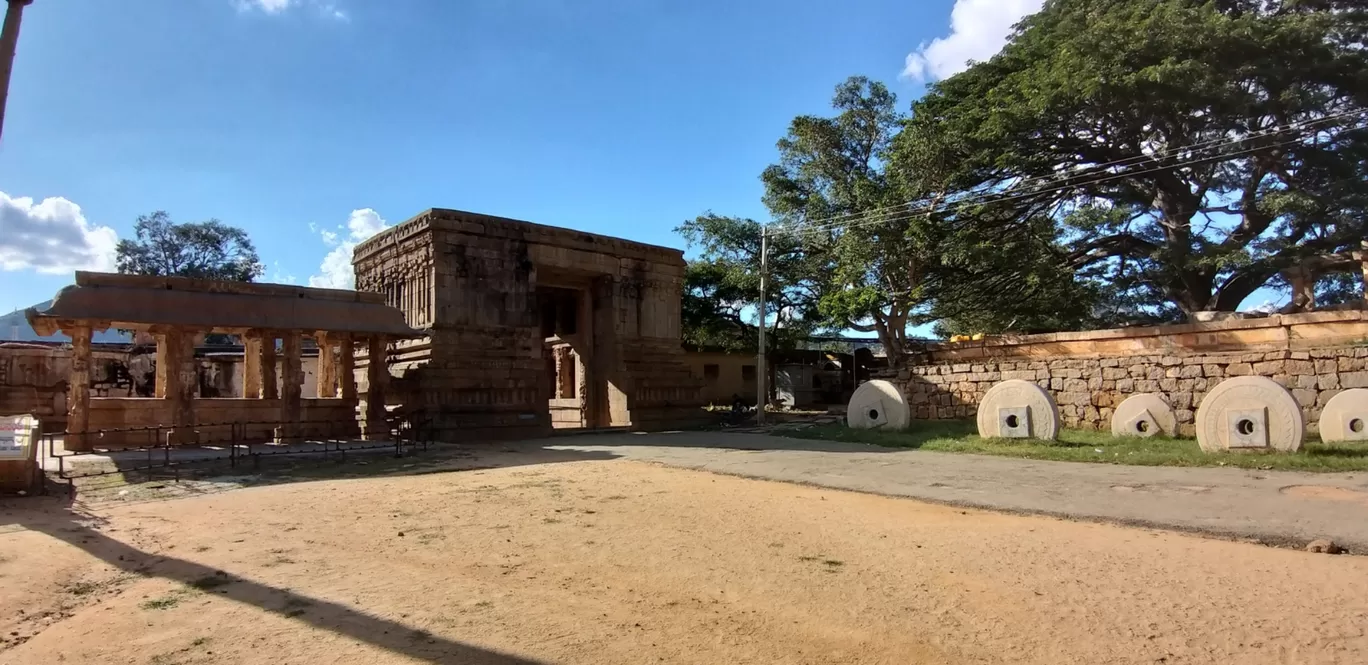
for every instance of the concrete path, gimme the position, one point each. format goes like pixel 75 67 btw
pixel 1278 507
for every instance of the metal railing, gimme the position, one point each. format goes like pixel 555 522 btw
pixel 237 442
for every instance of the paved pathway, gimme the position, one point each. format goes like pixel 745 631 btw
pixel 1280 507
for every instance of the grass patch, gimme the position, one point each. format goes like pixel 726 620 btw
pixel 163 603
pixel 957 436
pixel 83 588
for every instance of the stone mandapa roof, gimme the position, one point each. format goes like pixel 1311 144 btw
pixel 139 302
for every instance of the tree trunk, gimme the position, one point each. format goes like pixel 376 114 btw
pixel 1303 283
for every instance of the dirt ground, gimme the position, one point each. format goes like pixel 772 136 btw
pixel 628 562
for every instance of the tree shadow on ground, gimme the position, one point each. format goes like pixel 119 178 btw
pixel 56 519
pixel 128 480
pixel 779 439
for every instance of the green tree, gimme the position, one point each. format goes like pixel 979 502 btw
pixel 1116 118
pixel 204 250
pixel 722 287
pixel 830 189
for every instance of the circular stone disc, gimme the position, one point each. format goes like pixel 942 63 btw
pixel 878 404
pixel 1249 394
pixel 1015 393
pixel 1345 417
pixel 1145 414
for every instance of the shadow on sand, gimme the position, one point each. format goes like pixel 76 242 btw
pixel 61 519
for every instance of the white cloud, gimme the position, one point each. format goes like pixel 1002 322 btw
pixel 268 6
pixel 280 275
pixel 52 237
pixel 336 270
pixel 326 8
pixel 978 30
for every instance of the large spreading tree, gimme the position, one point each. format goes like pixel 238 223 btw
pixel 1190 151
pixel 205 250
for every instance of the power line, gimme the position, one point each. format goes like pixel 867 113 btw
pixel 898 212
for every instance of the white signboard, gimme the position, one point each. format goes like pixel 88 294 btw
pixel 16 435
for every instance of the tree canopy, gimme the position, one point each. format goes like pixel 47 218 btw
pixel 1191 151
pixel 1118 162
pixel 205 250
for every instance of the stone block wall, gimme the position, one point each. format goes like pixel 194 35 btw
pixel 1089 374
pixel 1088 389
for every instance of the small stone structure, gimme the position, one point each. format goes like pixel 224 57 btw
pixel 270 318
pixel 530 327
pixel 1314 355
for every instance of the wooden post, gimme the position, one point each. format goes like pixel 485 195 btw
pixel 251 364
pixel 292 387
pixel 327 366
pixel 78 399
pixel 269 386
pixel 377 379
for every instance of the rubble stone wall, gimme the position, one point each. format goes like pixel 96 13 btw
pixel 1089 374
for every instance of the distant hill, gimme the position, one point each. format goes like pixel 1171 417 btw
pixel 15 328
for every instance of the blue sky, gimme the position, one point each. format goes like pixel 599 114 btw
pixel 312 123
pixel 622 117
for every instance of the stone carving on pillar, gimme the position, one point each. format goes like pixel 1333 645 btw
pixel 78 401
pixel 292 387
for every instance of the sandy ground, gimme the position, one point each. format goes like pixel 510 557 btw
pixel 628 562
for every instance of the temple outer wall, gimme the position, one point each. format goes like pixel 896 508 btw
pixel 1314 355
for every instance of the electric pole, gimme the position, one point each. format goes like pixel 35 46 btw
pixel 9 41
pixel 762 372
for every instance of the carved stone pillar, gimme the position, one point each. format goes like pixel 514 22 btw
pixel 269 386
pixel 78 399
pixel 346 368
pixel 251 365
pixel 327 366
pixel 291 389
pixel 178 382
pixel 377 380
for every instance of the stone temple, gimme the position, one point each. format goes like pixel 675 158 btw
pixel 530 327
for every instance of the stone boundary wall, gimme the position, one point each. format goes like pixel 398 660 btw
pixel 1088 375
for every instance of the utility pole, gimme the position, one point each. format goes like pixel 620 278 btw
pixel 9 42
pixel 762 372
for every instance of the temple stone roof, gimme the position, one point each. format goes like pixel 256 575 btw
pixel 136 302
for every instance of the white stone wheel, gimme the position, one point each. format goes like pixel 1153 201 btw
pixel 1249 412
pixel 1345 417
pixel 878 404
pixel 1008 403
pixel 1145 415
